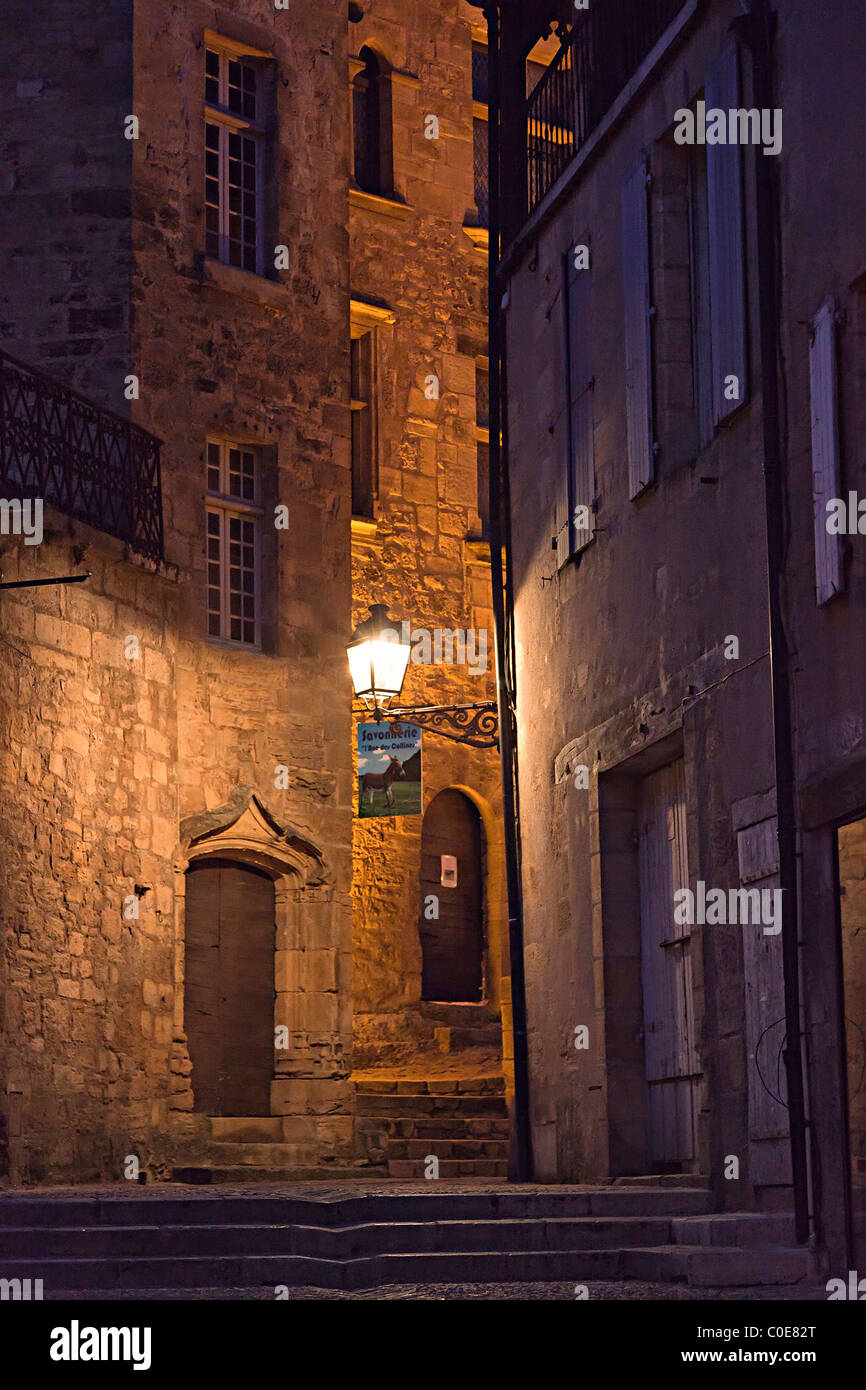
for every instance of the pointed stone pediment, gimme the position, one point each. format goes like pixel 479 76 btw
pixel 245 829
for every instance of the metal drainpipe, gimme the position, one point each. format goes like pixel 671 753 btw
pixel 757 30
pixel 520 1166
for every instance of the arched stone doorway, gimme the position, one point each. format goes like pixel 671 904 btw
pixel 229 983
pixel 452 929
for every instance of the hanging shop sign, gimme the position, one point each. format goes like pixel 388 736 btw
pixel 389 770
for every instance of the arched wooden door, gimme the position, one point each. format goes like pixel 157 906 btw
pixel 229 986
pixel 452 945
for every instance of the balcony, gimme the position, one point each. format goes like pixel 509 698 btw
pixel 83 460
pixel 600 54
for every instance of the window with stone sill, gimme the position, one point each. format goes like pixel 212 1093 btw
pixel 372 134
pixel 234 559
pixel 363 405
pixel 480 101
pixel 234 159
pixel 482 438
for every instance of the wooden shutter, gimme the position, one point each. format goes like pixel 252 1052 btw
pixel 561 527
pixel 726 250
pixel 638 336
pixel 581 452
pixel 666 967
pixel 825 447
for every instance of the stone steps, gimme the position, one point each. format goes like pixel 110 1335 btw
pixel 696 1266
pixel 432 1086
pixel 371 1238
pixel 403 1121
pixel 435 1126
pixel 216 1172
pixel 158 1239
pixel 411 1169
pixel 502 1201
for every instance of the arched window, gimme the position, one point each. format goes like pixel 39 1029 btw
pixel 371 109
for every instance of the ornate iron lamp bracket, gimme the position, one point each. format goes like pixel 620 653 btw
pixel 476 725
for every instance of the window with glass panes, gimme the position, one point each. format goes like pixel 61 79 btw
pixel 480 99
pixel 234 141
pixel 233 542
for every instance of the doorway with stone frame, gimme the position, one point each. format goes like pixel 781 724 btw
pixel 259 933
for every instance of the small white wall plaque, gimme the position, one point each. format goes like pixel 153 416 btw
pixel 448 877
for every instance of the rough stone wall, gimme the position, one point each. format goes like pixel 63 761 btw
pixel 852 877
pixel 615 653
pixel 65 89
pixel 265 360
pixel 822 154
pixel 88 785
pixel 820 57
pixel 417 559
pixel 97 294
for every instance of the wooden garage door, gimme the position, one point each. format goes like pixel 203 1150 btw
pixel 229 986
pixel 452 947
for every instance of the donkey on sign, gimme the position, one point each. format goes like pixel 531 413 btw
pixel 371 782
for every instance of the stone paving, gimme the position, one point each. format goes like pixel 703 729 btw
pixel 320 1190
pixel 426 1293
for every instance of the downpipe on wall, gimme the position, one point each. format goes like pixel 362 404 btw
pixel 756 29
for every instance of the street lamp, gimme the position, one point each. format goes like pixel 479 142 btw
pixel 378 658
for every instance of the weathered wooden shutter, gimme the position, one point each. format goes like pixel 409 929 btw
pixel 638 335
pixel 825 447
pixel 581 452
pixel 726 250
pixel 561 526
pixel 666 966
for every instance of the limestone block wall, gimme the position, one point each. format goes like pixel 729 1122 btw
pixel 65 90
pixel 105 238
pixel 263 359
pixel 419 263
pixel 89 793
pixel 625 650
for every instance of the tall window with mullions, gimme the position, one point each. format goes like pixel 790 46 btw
pixel 234 153
pixel 480 133
pixel 234 515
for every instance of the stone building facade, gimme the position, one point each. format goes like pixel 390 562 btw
pixel 633 277
pixel 418 268
pixel 227 232
pixel 191 713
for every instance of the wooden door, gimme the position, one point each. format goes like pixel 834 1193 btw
pixel 452 945
pixel 229 986
pixel 666 968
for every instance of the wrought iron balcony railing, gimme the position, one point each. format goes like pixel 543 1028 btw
pixel 78 457
pixel 603 50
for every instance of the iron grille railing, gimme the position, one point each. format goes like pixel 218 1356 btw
pixel 600 54
pixel 78 457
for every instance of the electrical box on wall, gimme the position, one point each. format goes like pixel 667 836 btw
pixel 448 877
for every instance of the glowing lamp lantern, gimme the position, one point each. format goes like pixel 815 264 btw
pixel 377 658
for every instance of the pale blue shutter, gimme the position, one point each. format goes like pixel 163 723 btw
pixel 638 336
pixel 726 250
pixel 580 402
pixel 825 447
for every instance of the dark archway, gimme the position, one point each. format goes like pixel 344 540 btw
pixel 452 942
pixel 229 986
